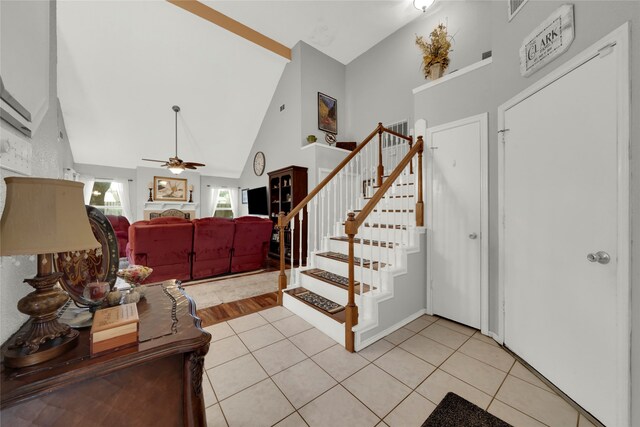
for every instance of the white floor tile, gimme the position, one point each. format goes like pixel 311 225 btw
pixel 235 375
pixel 338 407
pixel 260 405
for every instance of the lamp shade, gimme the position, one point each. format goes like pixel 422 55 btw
pixel 44 216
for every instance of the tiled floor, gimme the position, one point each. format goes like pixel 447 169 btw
pixel 273 368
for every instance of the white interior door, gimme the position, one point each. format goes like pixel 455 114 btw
pixel 560 204
pixel 457 189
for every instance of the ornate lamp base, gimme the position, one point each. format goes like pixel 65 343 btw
pixel 42 337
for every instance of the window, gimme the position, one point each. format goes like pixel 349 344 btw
pixel 105 197
pixel 222 207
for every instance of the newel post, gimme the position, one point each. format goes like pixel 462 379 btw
pixel 420 203
pixel 351 310
pixel 282 278
pixel 380 165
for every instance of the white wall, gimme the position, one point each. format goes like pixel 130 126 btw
pixel 50 156
pixel 377 91
pixel 379 82
pixel 321 73
pixel 283 133
pixel 594 19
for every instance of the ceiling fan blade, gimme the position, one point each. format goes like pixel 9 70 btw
pixel 152 160
pixel 194 164
pixel 188 166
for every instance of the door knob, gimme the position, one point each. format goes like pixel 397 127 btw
pixel 473 236
pixel 600 256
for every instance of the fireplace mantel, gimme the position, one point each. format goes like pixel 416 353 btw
pixel 160 206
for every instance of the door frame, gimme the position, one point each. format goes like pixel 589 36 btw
pixel 619 37
pixel 483 121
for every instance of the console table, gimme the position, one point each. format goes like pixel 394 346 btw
pixel 157 382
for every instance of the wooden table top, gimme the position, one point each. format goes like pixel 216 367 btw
pixel 168 326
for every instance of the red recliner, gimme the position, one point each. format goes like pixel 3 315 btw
pixel 212 243
pixel 163 244
pixel 250 243
pixel 120 225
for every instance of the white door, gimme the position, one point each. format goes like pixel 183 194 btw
pixel 457 189
pixel 560 204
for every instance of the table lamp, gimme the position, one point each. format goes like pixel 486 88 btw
pixel 42 217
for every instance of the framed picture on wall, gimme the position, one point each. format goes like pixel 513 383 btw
pixel 245 196
pixel 169 189
pixel 327 113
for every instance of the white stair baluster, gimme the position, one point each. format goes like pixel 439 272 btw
pixel 292 249
pixel 316 226
pixel 321 218
pixel 362 308
pixel 336 212
pixel 301 229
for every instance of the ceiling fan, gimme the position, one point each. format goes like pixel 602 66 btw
pixel 175 164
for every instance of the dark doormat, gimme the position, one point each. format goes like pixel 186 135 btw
pixel 454 411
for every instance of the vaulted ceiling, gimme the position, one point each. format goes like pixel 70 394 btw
pixel 123 64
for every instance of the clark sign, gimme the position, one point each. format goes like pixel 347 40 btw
pixel 549 40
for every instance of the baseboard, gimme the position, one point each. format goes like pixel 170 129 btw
pixel 380 335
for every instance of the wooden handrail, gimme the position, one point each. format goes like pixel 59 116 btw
pixel 286 219
pixel 366 210
pixel 354 222
pixel 399 135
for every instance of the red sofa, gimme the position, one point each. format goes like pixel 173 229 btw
pixel 180 249
pixel 250 243
pixel 163 244
pixel 120 225
pixel 212 244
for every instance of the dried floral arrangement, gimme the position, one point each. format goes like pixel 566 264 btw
pixel 436 52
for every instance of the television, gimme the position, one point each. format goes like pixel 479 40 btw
pixel 258 204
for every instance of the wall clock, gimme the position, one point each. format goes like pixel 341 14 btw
pixel 258 163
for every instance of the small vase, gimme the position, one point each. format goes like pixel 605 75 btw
pixel 131 297
pixel 436 71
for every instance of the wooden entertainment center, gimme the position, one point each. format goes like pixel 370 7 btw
pixel 287 188
pixel 157 382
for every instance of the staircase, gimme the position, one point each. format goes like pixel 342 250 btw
pixel 364 275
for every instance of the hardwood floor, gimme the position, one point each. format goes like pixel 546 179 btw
pixel 230 310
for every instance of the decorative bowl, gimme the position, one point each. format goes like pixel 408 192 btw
pixel 134 274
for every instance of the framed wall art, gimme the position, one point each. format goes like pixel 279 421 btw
pixel 327 113
pixel 169 189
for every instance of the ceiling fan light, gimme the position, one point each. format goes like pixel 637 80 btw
pixel 177 170
pixel 422 5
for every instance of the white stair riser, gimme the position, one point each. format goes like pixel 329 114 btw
pixel 334 293
pixel 393 203
pixel 384 235
pixel 342 269
pixel 397 218
pixel 397 190
pixel 365 251
pixel 321 321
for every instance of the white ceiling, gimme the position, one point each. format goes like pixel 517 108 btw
pixel 341 29
pixel 123 64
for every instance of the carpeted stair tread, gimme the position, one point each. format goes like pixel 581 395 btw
pixel 454 411
pixel 364 242
pixel 318 302
pixel 394 197
pixel 337 256
pixel 389 210
pixel 392 226
pixel 334 279
pixel 404 183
